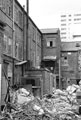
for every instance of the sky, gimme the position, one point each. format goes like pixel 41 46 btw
pixel 46 13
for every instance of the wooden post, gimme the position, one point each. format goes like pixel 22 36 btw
pixel 41 85
pixel 59 75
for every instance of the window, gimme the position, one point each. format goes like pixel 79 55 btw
pixel 69 15
pixel 16 14
pixel 77 14
pixel 9 11
pixel 63 28
pixel 50 44
pixel 63 20
pixel 77 19
pixel 65 58
pixel 63 33
pixel 34 34
pixel 69 19
pixel 38 39
pixel 63 24
pixel 5 44
pixel 20 18
pixel 7 7
pixel 9 46
pixel 63 37
pixel 20 51
pixel 63 15
pixel 33 58
pixel 16 49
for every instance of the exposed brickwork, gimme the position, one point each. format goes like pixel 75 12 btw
pixel 34 45
pixel 41 75
pixel 51 51
pixel 69 61
pixel 6 7
pixel 15 47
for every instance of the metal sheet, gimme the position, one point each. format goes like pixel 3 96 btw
pixel 21 63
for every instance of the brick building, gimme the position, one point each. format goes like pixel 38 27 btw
pixel 51 52
pixel 15 43
pixel 34 38
pixel 70 62
pixel 21 55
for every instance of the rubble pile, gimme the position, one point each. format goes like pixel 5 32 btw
pixel 60 105
pixel 23 106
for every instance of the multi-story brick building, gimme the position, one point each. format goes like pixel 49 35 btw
pixel 34 51
pixel 21 51
pixel 14 44
pixel 51 52
pixel 71 62
pixel 6 15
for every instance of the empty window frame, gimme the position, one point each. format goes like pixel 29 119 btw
pixel 51 44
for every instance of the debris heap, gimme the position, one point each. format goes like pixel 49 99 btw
pixel 60 105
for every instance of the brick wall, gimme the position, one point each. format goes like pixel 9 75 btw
pixel 51 51
pixel 34 44
pixel 45 76
pixel 6 6
pixel 69 65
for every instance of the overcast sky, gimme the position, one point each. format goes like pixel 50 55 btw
pixel 45 13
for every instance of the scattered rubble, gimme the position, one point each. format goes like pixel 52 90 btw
pixel 60 105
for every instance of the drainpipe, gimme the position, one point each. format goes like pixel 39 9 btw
pixel 41 48
pixel 13 46
pixel 36 57
pixel 27 48
pixel 23 31
pixel 23 40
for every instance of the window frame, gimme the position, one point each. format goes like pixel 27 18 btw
pixel 50 44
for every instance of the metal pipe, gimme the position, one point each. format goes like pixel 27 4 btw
pixel 13 30
pixel 23 32
pixel 27 8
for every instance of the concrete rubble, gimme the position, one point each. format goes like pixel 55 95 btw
pixel 60 105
